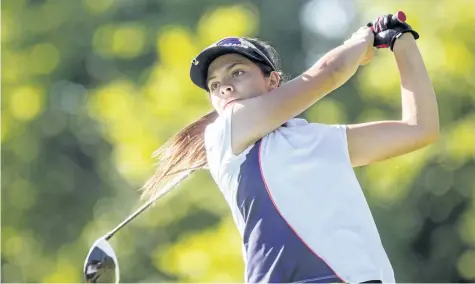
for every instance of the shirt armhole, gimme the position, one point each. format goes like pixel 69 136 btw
pixel 342 137
pixel 335 135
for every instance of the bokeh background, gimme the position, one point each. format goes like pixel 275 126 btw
pixel 90 88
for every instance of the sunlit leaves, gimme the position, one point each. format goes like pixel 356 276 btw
pixel 460 140
pixel 389 180
pixel 26 102
pixel 129 41
pixel 124 41
pixel 459 58
pixel 379 80
pixel 213 255
pixel 21 195
pixel 466 264
pixel 328 111
pixel 467 227
pixel 15 66
pixel 24 251
pixel 98 6
pixel 113 101
pixel 127 126
pixel 176 46
pixel 227 21
pixel 64 268
pixel 44 57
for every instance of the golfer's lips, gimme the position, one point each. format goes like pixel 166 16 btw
pixel 229 103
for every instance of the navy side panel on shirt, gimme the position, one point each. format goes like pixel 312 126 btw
pixel 274 252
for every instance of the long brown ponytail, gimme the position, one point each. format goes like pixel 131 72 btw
pixel 184 151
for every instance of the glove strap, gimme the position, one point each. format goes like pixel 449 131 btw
pixel 393 40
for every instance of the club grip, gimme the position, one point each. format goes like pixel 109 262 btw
pixel 399 17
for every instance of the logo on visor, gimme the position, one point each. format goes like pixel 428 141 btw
pixel 233 41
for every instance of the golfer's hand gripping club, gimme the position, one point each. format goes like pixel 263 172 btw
pixel 388 28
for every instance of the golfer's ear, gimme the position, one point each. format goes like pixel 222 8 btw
pixel 274 79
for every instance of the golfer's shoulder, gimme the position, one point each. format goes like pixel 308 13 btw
pixel 302 128
pixel 311 137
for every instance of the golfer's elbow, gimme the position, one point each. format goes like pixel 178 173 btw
pixel 426 133
pixel 430 128
pixel 430 136
pixel 433 133
pixel 420 111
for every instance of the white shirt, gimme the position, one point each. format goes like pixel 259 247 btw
pixel 297 205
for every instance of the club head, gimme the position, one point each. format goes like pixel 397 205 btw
pixel 101 265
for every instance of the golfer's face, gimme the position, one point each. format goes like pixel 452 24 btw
pixel 233 77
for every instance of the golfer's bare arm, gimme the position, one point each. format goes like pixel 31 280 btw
pixel 256 117
pixel 419 124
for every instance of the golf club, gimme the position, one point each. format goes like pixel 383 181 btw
pixel 101 264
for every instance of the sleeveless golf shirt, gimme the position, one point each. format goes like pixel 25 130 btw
pixel 297 204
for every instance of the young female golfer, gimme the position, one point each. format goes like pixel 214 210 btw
pixel 289 183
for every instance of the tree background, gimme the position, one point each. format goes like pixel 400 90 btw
pixel 91 87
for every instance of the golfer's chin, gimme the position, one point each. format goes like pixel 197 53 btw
pixel 228 104
pixel 231 102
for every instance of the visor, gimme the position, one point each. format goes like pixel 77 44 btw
pixel 200 64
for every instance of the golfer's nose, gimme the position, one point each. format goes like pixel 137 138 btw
pixel 226 89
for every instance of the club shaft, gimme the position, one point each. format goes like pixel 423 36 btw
pixel 160 194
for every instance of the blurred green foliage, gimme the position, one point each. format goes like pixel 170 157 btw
pixel 90 88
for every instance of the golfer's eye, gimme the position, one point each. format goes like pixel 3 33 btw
pixel 237 73
pixel 213 86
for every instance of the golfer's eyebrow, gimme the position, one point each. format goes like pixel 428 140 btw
pixel 227 68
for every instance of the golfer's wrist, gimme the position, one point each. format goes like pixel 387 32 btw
pixel 404 43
